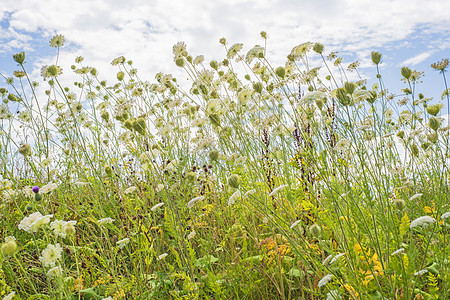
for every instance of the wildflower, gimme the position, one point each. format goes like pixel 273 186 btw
pixel 295 224
pixel 198 60
pixel 19 58
pixel 422 221
pixel 34 221
pixel 315 230
pixel 105 221
pixel 35 189
pixel 420 272
pixel 155 207
pixel 162 256
pixel 337 257
pixel 195 200
pixel 25 150
pixel 44 220
pixel 234 197
pixel 399 204
pixel 234 50
pixel 324 281
pixel 57 41
pixel 352 291
pixel 248 193
pixel 445 215
pixel 191 235
pixel 416 196
pixel 130 190
pixel 179 49
pixel 399 251
pixel 327 260
pixel 123 242
pixel 50 255
pixel 159 187
pixel 10 246
pixel 10 296
pixel 440 65
pixel 48 188
pixel 277 189
pixel 55 272
pixel 333 295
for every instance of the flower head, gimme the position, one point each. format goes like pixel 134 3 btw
pixel 105 221
pixel 194 201
pixel 50 255
pixel 422 221
pixel 57 41
pixel 327 278
pixel 35 189
pixel 155 207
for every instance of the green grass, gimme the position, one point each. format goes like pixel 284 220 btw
pixel 234 186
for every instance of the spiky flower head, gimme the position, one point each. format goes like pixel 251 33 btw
pixel 57 41
pixel 399 204
pixel 10 246
pixel 440 65
pixel 318 48
pixel 214 155
pixel 315 230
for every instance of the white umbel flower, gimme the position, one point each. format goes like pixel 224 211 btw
pixel 105 221
pixel 277 190
pixel 422 221
pixel 399 251
pixel 50 255
pixel 162 256
pixel 236 195
pixel 327 278
pixel 445 215
pixel 155 207
pixel 194 201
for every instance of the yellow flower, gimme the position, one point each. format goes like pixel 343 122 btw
pixel 352 291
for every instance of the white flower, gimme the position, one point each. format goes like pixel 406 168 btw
pixel 295 224
pixel 81 183
pixel 445 215
pixel 28 192
pixel 130 190
pixel 159 187
pixel 108 298
pixel 337 257
pixel 333 295
pixel 420 272
pixel 277 189
pixel 44 220
pixel 416 196
pixel 123 242
pixel 234 197
pixel 9 296
pixel 424 220
pixel 48 188
pixel 327 259
pixel 248 193
pixel 50 255
pixel 195 200
pixel 59 227
pixel 34 221
pixel 191 235
pixel 55 272
pixel 105 221
pixel 327 278
pixel 162 256
pixel 399 251
pixel 157 206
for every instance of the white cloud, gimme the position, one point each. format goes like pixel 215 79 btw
pixel 413 61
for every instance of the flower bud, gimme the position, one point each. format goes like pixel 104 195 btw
pixel 349 87
pixel 432 136
pixel 214 155
pixel 25 150
pixel 214 64
pixel 401 134
pixel 434 123
pixel 108 170
pixel 406 72
pixel 258 87
pixel 234 181
pixel 37 197
pixel 318 48
pixel 315 230
pixel 434 109
pixel 19 58
pixel 191 176
pixel 179 62
pixel 223 41
pixel 399 204
pixel 280 71
pixel 69 229
pixel 120 75
pixel 139 125
pixel 376 57
pixel 10 247
pixel 105 115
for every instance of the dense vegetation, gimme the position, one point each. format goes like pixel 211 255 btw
pixel 254 182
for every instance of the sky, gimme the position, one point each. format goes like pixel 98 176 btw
pixel 407 32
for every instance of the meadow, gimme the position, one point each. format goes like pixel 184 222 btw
pixel 251 181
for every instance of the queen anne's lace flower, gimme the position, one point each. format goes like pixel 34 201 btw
pixel 155 207
pixel 422 221
pixel 193 201
pixel 34 221
pixel 105 221
pixel 327 278
pixel 51 255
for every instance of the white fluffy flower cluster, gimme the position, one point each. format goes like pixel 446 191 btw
pixel 60 227
pixel 34 221
pixel 51 255
pixel 422 221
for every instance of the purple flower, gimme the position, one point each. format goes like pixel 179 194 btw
pixel 35 189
